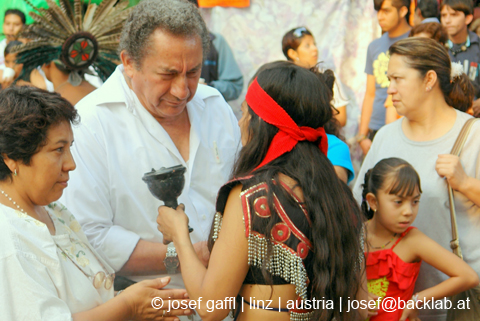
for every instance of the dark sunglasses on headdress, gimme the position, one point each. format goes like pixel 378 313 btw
pixel 299 32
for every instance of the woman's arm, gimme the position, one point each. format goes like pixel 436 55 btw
pixel 228 263
pixel 450 167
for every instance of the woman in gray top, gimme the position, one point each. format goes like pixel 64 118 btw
pixel 425 89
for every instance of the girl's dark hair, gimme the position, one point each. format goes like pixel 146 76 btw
pixel 424 54
pixel 293 38
pixel 336 218
pixel 332 127
pixel 404 180
pixel 434 29
pixel 9 47
pixel 26 115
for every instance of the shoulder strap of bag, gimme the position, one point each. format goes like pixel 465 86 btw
pixel 456 150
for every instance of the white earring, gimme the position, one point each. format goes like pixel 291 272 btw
pixel 15 172
pixel 429 88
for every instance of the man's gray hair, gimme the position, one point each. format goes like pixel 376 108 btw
pixel 178 17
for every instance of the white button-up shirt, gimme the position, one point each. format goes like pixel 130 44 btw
pixel 118 141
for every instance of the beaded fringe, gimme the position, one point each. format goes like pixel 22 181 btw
pixel 282 263
pixel 217 225
pixel 295 316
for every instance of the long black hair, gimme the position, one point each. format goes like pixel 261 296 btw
pixel 404 180
pixel 336 218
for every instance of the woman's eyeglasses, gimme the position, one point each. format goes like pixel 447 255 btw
pixel 100 277
pixel 299 32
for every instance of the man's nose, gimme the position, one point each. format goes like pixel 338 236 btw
pixel 179 87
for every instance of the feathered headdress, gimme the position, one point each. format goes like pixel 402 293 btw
pixel 77 39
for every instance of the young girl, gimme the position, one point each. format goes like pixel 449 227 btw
pixel 395 249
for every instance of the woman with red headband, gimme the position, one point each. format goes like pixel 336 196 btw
pixel 286 237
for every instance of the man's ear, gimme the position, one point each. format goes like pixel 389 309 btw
pixel 403 11
pixel 128 63
pixel 468 19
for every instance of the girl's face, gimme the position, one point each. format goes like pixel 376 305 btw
pixel 395 212
pixel 307 52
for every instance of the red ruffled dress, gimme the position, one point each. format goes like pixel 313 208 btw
pixel 389 276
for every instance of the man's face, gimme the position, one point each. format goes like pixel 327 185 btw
pixel 168 75
pixel 454 21
pixel 12 26
pixel 388 16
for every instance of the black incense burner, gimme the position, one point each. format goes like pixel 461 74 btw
pixel 166 184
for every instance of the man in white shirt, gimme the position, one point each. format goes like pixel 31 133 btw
pixel 151 113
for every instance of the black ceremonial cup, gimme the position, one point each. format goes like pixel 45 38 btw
pixel 166 184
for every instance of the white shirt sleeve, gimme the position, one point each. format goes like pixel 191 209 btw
pixel 93 208
pixel 27 291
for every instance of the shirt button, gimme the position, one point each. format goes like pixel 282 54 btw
pixel 204 217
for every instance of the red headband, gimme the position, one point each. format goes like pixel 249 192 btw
pixel 289 133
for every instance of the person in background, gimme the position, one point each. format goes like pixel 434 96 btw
pixel 12 25
pixel 151 113
pixel 220 69
pixel 392 16
pixel 432 30
pixel 425 90
pixel 299 47
pixel 66 56
pixel 426 11
pixel 395 250
pixel 463 45
pixel 36 78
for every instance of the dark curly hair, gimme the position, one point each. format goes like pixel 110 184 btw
pixel 26 115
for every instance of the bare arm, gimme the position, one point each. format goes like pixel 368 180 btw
pixel 228 263
pixel 342 173
pixel 147 258
pixel 367 106
pixel 367 109
pixel 342 115
pixel 462 276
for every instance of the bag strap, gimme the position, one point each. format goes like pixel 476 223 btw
pixel 456 150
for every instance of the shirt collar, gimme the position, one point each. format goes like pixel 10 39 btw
pixel 114 90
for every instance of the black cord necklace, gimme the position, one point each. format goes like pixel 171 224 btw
pixel 383 246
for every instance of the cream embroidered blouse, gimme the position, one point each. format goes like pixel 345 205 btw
pixel 37 279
